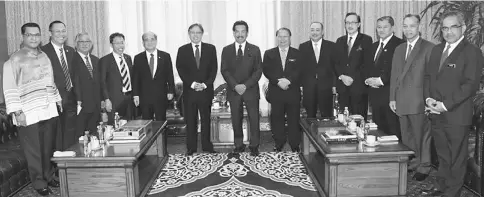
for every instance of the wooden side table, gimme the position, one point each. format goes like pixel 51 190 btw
pixel 221 131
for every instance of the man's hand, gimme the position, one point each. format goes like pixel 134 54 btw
pixel 430 102
pixel 347 80
pixel 20 118
pixel 169 96
pixel 393 106
pixel 109 105
pixel 59 105
pixel 198 86
pixel 372 82
pixel 439 107
pixel 136 100
pixel 284 83
pixel 240 89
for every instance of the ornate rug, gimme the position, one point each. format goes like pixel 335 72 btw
pixel 231 175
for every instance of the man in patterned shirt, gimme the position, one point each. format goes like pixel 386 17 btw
pixel 31 97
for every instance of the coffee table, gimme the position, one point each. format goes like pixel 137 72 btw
pixel 354 169
pixel 115 170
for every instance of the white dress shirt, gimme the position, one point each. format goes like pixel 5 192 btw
pixel 118 61
pixel 385 42
pixel 56 49
pixel 83 57
pixel 237 47
pixel 353 38
pixel 411 44
pixel 318 43
pixel 155 64
pixel 194 48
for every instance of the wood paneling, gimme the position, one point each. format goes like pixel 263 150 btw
pixel 108 182
pixel 368 179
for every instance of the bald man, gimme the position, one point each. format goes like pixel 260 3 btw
pixel 153 83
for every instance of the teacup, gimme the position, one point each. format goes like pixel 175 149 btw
pixel 370 139
pixel 216 105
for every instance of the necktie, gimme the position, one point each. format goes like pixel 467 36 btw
pixel 152 63
pixel 197 55
pixel 125 76
pixel 316 52
pixel 444 56
pixel 349 46
pixel 65 69
pixel 379 52
pixel 283 58
pixel 88 65
pixel 409 50
pixel 239 52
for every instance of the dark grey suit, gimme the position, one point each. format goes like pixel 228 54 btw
pixel 406 88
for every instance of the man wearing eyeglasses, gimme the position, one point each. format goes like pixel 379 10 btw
pixel 153 81
pixel 61 57
pixel 196 63
pixel 31 97
pixel 356 53
pixel 451 80
pixel 87 85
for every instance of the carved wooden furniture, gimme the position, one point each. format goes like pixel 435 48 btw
pixel 221 132
pixel 354 169
pixel 117 169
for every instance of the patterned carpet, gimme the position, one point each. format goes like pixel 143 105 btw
pixel 225 174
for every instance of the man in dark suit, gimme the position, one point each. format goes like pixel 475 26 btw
pixel 116 80
pixel 196 63
pixel 61 57
pixel 408 70
pixel 282 67
pixel 241 69
pixel 319 58
pixel 86 85
pixel 378 77
pixel 153 83
pixel 355 55
pixel 451 81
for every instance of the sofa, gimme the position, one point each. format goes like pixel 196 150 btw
pixel 473 179
pixel 13 166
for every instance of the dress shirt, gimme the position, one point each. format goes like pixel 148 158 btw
pixel 56 49
pixel 318 43
pixel 411 44
pixel 118 61
pixel 353 38
pixel 237 47
pixel 384 44
pixel 194 48
pixel 83 57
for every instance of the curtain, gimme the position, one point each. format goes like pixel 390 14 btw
pixel 88 16
pixel 298 15
pixel 170 21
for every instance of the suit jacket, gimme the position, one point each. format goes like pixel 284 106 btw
pixel 382 68
pixel 111 80
pixel 457 81
pixel 59 77
pixel 324 69
pixel 272 68
pixel 407 76
pixel 353 64
pixel 152 89
pixel 248 73
pixel 205 73
pixel 87 87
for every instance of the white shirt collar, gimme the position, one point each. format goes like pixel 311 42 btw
pixel 386 40
pixel 413 42
pixel 57 47
pixel 453 45
pixel 285 48
pixel 237 47
pixel 353 37
pixel 317 43
pixel 148 54
pixel 199 45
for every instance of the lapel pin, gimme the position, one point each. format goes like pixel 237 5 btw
pixel 451 65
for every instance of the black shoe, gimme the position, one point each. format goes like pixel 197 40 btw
pixel 210 151
pixel 53 183
pixel 296 150
pixel 239 149
pixel 254 152
pixel 44 191
pixel 420 176
pixel 190 152
pixel 432 192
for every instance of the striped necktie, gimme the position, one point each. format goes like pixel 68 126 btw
pixel 125 76
pixel 88 65
pixel 65 69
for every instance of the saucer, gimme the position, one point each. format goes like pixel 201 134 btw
pixel 216 108
pixel 376 143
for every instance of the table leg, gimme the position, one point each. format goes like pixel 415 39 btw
pixel 63 182
pixel 305 144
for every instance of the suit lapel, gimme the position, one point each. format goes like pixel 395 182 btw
pixel 411 57
pixel 453 56
pixel 94 66
pixel 355 44
pixel 159 65
pixel 278 57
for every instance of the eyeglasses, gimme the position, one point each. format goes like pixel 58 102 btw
pixel 452 28
pixel 59 31
pixel 32 35
pixel 351 23
pixel 196 32
pixel 84 42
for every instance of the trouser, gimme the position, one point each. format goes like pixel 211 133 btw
pixel 415 130
pixel 191 118
pixel 236 111
pixel 278 111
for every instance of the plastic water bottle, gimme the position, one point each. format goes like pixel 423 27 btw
pixel 346 114
pixel 100 132
pixel 336 109
pixel 116 120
